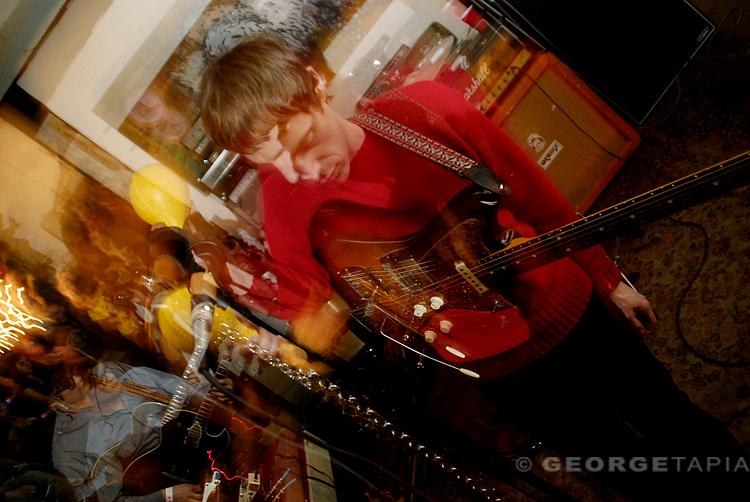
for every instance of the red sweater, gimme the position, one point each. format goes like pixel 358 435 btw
pixel 384 175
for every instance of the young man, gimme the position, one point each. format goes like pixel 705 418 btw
pixel 107 417
pixel 557 348
pixel 262 101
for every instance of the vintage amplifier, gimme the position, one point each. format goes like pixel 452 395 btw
pixel 565 127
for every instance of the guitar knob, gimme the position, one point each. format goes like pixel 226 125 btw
pixel 430 336
pixel 419 310
pixel 445 326
pixel 436 302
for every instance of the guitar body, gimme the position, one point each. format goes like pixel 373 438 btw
pixel 175 459
pixel 425 289
pixel 445 285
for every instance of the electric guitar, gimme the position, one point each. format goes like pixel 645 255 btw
pixel 181 453
pixel 424 289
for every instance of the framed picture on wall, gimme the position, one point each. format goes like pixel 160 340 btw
pixel 132 86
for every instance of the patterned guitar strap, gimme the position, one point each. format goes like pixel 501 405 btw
pixel 459 164
pixel 201 320
pixel 432 150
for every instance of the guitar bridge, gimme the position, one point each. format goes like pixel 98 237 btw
pixel 406 270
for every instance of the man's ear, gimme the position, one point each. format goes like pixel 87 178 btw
pixel 320 85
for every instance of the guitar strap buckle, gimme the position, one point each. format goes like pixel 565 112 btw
pixel 486 178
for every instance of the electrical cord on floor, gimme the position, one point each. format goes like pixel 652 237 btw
pixel 726 364
pixel 678 324
pixel 691 283
pixel 232 395
pixel 709 57
pixel 728 37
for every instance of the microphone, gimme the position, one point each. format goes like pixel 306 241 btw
pixel 202 304
pixel 201 321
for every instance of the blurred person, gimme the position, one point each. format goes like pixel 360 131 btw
pixel 106 418
pixel 34 485
pixel 550 352
pixel 112 309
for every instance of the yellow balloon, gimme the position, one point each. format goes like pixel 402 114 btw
pixel 160 195
pixel 174 322
pixel 174 319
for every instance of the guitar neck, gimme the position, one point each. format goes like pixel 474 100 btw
pixel 132 388
pixel 207 406
pixel 631 214
pixel 128 387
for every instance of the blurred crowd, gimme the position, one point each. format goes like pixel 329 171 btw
pixel 121 295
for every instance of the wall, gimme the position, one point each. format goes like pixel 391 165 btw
pixel 31 174
pixel 23 24
pixel 30 179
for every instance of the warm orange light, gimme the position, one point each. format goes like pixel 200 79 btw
pixel 13 321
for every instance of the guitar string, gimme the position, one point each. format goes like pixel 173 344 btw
pixel 510 256
pixel 134 388
pixel 209 403
pixel 204 411
pixel 692 184
pixel 486 265
pixel 614 216
pixel 549 242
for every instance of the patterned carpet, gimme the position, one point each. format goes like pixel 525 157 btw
pixel 693 266
pixel 702 306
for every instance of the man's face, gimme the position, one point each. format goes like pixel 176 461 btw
pixel 310 147
pixel 78 389
pixel 314 146
pixel 24 366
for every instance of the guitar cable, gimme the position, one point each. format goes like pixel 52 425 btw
pixel 681 335
pixel 319 442
pixel 683 297
pixel 691 283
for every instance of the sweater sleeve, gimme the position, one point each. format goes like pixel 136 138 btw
pixel 304 284
pixel 534 199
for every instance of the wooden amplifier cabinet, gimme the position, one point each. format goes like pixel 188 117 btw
pixel 565 127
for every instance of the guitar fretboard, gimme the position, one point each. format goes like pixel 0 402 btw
pixel 609 223
pixel 132 388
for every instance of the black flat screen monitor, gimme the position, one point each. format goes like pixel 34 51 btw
pixel 629 51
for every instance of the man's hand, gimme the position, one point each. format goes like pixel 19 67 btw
pixel 186 493
pixel 635 307
pixel 25 491
pixel 21 423
pixel 220 396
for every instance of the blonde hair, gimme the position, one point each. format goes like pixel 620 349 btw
pixel 255 86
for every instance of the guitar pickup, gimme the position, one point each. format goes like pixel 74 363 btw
pixel 405 270
pixel 469 277
pixel 379 282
